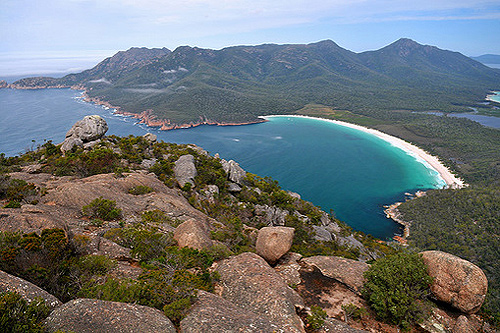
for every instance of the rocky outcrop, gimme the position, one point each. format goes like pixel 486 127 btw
pixel 273 242
pixel 150 137
pixel 456 281
pixel 212 313
pixel 234 172
pixel 3 84
pixel 194 234
pixel 92 315
pixel 90 128
pixel 271 216
pixel 349 272
pixel 185 170
pixel 74 194
pixel 250 283
pixel 27 290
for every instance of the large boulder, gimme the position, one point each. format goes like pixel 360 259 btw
pixel 250 283
pixel 273 242
pixel 185 170
pixel 92 315
pixel 212 313
pixel 90 128
pixel 27 290
pixel 193 234
pixel 349 272
pixel 456 281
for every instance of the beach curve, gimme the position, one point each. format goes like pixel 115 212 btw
pixel 433 162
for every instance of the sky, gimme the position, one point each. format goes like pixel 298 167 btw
pixel 53 36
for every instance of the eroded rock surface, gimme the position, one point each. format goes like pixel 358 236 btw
pixel 250 283
pixel 92 315
pixel 456 281
pixel 349 272
pixel 273 242
pixel 212 313
pixel 27 290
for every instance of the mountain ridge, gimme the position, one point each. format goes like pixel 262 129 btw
pixel 192 85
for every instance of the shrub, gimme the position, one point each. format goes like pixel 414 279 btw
pixel 17 315
pixel 397 287
pixel 140 189
pixel 103 209
pixel 316 319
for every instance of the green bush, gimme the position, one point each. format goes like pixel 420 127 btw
pixel 397 287
pixel 140 189
pixel 17 315
pixel 316 319
pixel 103 209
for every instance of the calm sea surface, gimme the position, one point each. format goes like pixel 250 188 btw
pixel 335 167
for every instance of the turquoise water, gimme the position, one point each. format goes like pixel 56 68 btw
pixel 335 167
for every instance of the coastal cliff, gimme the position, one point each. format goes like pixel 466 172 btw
pixel 198 242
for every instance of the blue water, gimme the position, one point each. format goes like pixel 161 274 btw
pixel 335 167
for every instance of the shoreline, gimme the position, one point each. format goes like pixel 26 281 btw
pixel 489 98
pixel 421 155
pixel 147 118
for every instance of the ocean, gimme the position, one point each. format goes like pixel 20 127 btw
pixel 337 168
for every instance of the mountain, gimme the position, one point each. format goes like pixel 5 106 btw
pixel 488 59
pixel 191 85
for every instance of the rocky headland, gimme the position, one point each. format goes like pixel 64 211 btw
pixel 194 244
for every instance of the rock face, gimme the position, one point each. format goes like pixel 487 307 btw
pixel 250 283
pixel 92 315
pixel 185 170
pixel 456 281
pixel 274 242
pixel 212 313
pixel 193 234
pixel 27 290
pixel 234 172
pixel 348 271
pixel 90 128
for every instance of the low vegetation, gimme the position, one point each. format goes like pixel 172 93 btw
pixel 397 288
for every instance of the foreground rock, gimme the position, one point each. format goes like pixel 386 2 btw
pixel 193 234
pixel 90 128
pixel 27 290
pixel 274 242
pixel 250 283
pixel 456 281
pixel 349 272
pixel 91 315
pixel 212 313
pixel 185 170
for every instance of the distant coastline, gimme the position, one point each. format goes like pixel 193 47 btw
pixel 433 162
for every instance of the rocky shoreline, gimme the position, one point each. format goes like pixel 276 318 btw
pixel 392 212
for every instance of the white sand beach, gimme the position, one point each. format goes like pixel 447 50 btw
pixel 450 179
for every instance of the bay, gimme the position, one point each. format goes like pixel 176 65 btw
pixel 338 168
